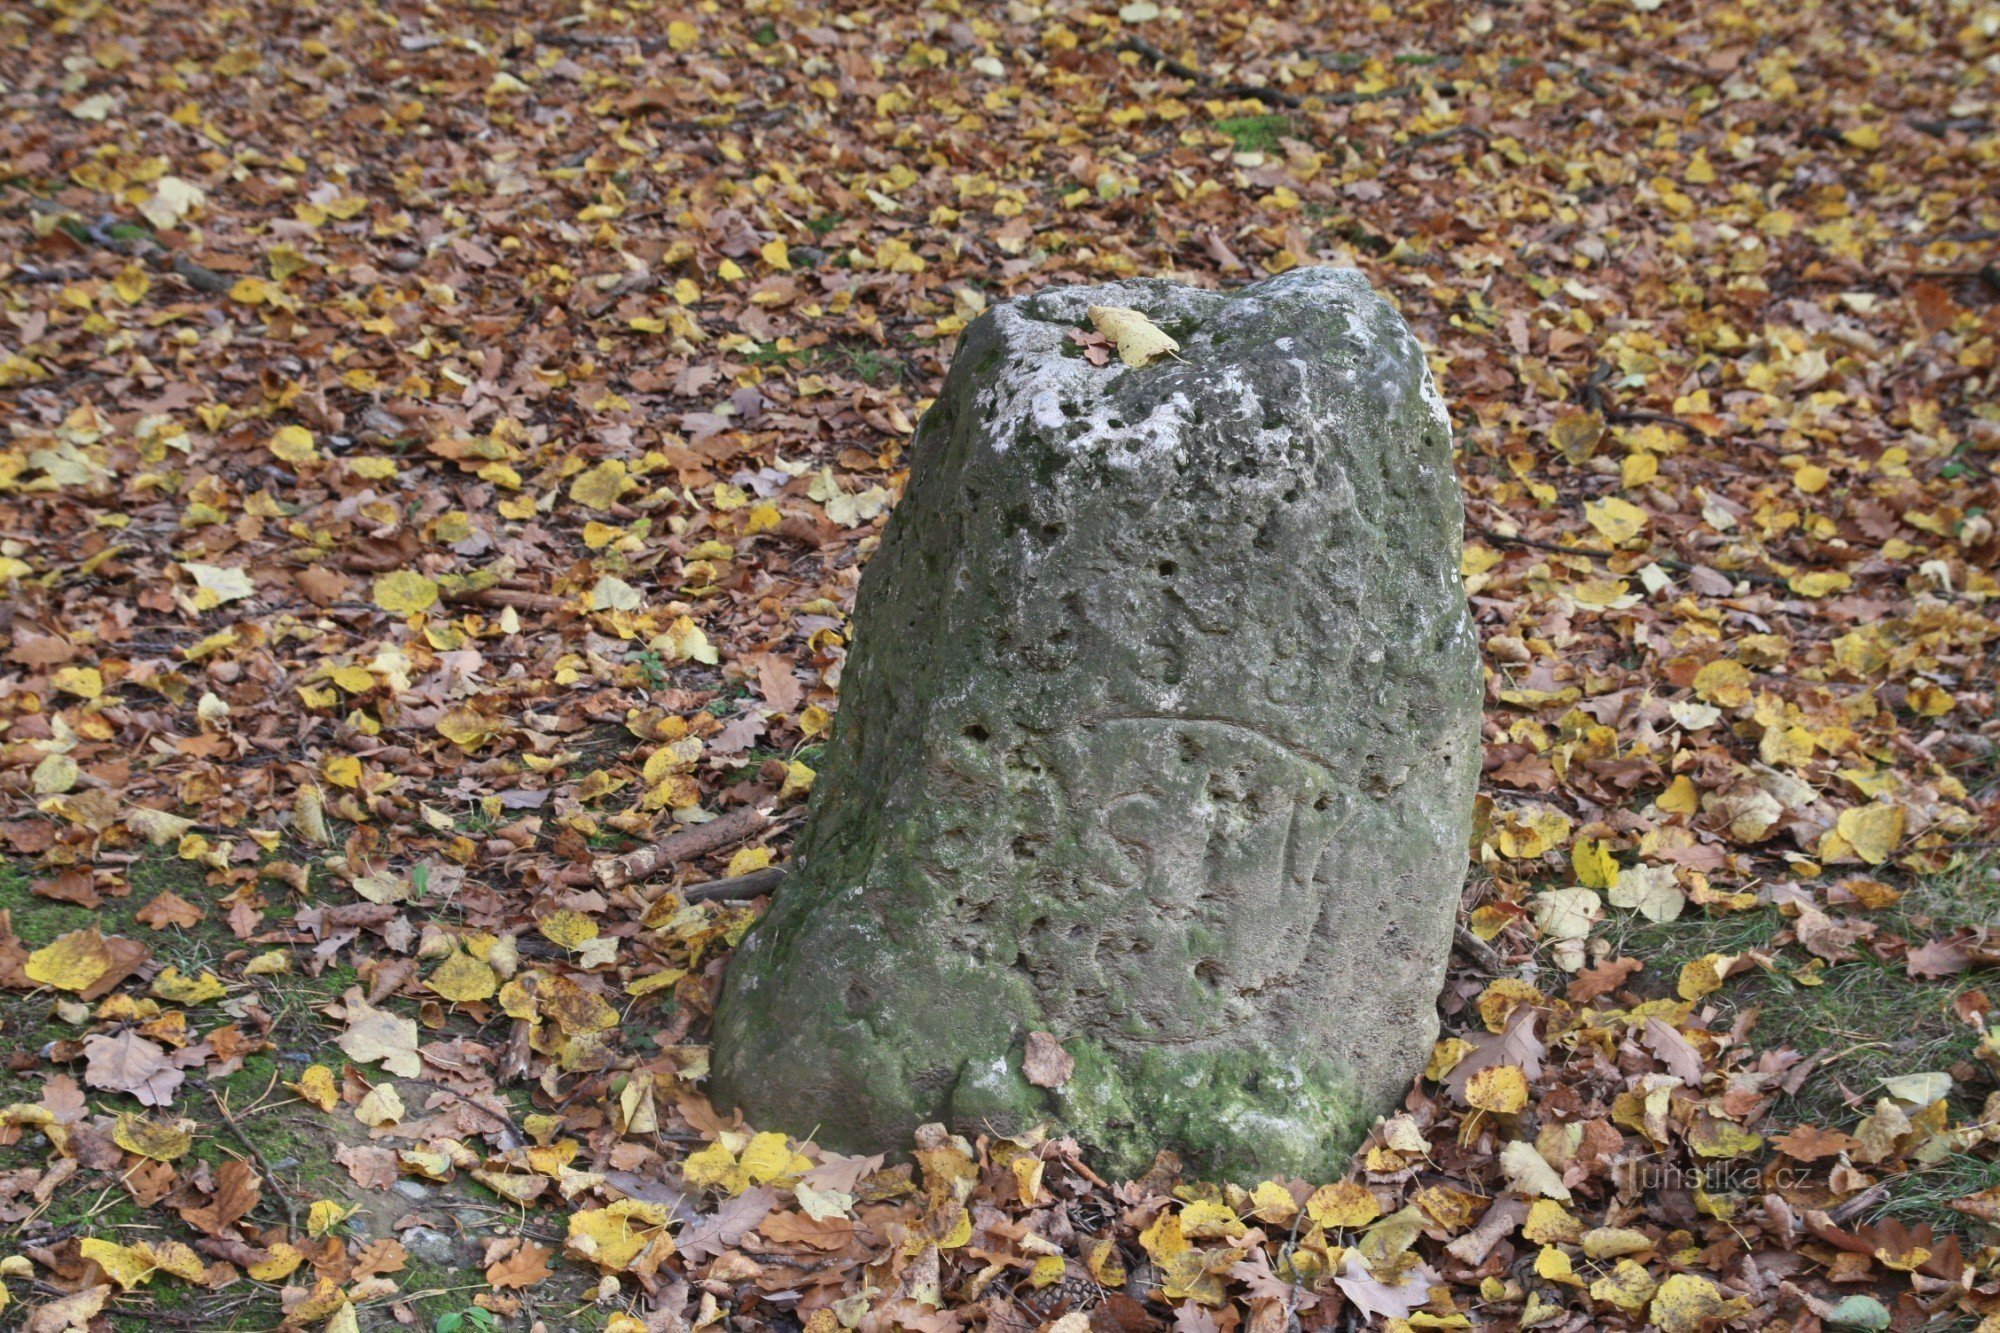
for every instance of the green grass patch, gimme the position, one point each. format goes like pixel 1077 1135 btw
pixel 1255 134
pixel 1866 1020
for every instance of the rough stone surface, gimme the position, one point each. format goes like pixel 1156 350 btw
pixel 1160 734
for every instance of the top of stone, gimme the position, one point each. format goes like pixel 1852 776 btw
pixel 1298 316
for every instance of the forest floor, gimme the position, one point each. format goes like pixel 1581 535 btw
pixel 442 443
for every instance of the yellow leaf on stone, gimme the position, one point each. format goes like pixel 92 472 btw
pixel 150 1138
pixel 1618 520
pixel 1346 1203
pixel 462 979
pixel 1502 1089
pixel 70 962
pixel 1554 1265
pixel 1139 341
pixel 1872 830
pixel 404 592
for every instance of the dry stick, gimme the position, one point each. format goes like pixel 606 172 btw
pixel 257 1154
pixel 195 275
pixel 1269 96
pixel 772 878
pixel 686 845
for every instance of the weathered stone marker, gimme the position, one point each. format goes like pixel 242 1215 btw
pixel 1160 735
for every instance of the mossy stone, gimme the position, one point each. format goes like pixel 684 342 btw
pixel 1160 734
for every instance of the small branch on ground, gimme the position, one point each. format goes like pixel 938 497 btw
pixel 685 845
pixel 284 1196
pixel 1270 96
pixel 139 247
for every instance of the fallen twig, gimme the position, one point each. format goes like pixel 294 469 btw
pixel 284 1195
pixel 686 845
pixel 1271 96
pixel 142 247
pixel 751 885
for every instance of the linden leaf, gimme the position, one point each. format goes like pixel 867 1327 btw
pixel 1724 683
pixel 1649 890
pixel 1618 520
pixel 619 1236
pixel 293 444
pixel 1499 1088
pixel 326 1214
pixel 404 592
pixel 1687 1303
pixel 127 1062
pixel 127 1265
pixel 171 986
pixel 1529 1173
pixel 382 1105
pixel 376 1035
pixel 600 487
pixel 769 1157
pixel 151 1138
pixel 317 1086
pixel 1872 830
pixel 1346 1203
pixel 462 979
pixel 1139 341
pixel 568 928
pixel 70 962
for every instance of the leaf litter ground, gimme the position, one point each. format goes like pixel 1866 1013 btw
pixel 441 448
